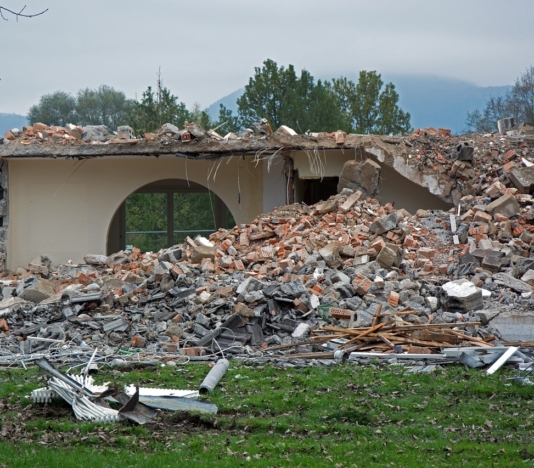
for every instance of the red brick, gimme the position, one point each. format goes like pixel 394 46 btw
pixel 362 284
pixel 378 245
pixel 393 299
pixel 426 252
pixel 482 216
pixel 336 312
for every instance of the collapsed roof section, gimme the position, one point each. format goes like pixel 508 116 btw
pixel 448 166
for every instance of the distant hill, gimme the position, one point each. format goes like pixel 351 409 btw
pixel 432 101
pixel 9 121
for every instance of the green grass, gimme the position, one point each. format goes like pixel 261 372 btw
pixel 340 416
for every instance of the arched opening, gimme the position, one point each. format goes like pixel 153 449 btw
pixel 164 213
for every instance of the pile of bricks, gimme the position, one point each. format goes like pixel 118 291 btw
pixel 271 282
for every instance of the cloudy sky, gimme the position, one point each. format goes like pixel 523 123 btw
pixel 208 48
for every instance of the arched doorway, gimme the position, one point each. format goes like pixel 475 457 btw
pixel 164 213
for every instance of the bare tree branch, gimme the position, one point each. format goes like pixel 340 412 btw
pixel 18 14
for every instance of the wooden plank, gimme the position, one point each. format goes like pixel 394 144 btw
pixel 428 335
pixel 473 339
pixel 376 317
pixel 431 325
pixel 418 357
pixel 361 335
pixel 431 344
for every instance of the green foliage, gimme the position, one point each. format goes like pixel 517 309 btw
pixel 517 103
pixel 157 107
pixel 102 106
pixel 193 212
pixel 283 98
pixel 146 218
pixel 368 106
pixel 57 108
pixel 227 122
pixel 196 114
pixel 147 212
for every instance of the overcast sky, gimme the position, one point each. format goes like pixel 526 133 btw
pixel 209 48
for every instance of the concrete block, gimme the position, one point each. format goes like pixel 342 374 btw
pixel 386 257
pixel 35 289
pixel 461 296
pixel 384 224
pixel 522 178
pixel 506 205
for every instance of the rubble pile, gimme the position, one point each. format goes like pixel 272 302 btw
pixel 346 262
pixel 475 164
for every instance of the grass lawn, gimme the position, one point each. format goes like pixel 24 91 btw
pixel 342 416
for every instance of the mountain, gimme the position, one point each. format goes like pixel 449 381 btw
pixel 432 101
pixel 9 121
pixel 435 101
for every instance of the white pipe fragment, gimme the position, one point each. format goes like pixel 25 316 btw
pixel 502 360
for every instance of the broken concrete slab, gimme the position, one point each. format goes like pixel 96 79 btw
pixel 514 327
pixel 511 282
pixel 363 176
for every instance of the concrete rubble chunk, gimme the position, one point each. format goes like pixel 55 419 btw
pixel 506 205
pixel 522 178
pixel 384 224
pixel 486 315
pixel 528 277
pixel 330 253
pixel 93 259
pixel 97 133
pixel 302 331
pixel 294 289
pixel 35 289
pixel 511 282
pixel 115 325
pixel 200 252
pixel 363 176
pixel 461 296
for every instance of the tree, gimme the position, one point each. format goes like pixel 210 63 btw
pixel 283 98
pixel 196 114
pixel 157 108
pixel 102 106
pixel 227 121
pixel 57 108
pixel 518 102
pixel 270 94
pixel 368 106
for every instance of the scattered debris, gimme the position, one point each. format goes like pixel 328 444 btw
pixel 89 402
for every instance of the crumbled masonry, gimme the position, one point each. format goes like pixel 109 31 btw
pixel 271 286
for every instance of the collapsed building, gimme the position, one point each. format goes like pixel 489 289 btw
pixel 423 228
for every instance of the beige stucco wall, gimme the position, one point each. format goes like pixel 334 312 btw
pixel 63 208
